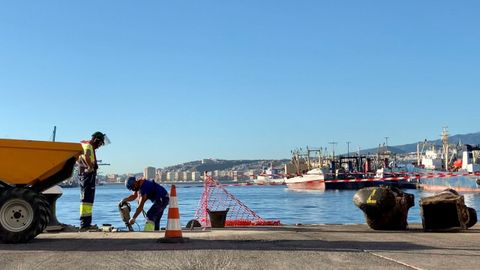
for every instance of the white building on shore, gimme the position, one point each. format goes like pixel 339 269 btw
pixel 149 173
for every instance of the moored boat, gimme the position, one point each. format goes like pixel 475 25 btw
pixel 312 180
pixel 440 170
pixel 270 176
pixel 318 179
pixel 344 172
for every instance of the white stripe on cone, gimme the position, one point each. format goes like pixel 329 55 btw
pixel 173 202
pixel 173 224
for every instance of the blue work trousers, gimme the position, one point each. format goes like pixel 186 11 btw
pixel 155 212
pixel 87 196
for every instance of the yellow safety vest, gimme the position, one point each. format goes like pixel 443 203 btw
pixel 83 161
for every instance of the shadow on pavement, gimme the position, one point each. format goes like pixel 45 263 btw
pixel 95 245
pixel 340 228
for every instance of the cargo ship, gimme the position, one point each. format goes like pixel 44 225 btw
pixel 451 167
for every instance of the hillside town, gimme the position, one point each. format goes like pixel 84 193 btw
pixel 222 170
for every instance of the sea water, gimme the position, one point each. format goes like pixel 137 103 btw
pixel 269 202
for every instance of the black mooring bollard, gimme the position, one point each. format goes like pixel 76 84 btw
pixel 52 194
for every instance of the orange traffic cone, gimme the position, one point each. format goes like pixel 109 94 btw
pixel 173 233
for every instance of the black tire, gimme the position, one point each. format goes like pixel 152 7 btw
pixel 23 215
pixel 44 203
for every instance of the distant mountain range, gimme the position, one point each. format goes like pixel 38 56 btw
pixel 221 164
pixel 472 138
pixel 256 165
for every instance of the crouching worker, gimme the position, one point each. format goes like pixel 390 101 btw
pixel 147 190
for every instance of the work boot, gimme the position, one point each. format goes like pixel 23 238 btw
pixel 91 228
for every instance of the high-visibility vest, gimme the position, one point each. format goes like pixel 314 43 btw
pixel 87 146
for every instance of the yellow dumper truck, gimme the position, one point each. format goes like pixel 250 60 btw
pixel 26 169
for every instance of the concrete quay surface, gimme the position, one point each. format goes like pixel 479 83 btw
pixel 284 247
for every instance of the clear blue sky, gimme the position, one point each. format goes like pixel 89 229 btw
pixel 175 81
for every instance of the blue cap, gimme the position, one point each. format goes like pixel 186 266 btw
pixel 130 182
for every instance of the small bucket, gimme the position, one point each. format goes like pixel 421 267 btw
pixel 107 228
pixel 149 226
pixel 218 218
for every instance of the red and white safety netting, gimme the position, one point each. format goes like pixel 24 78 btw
pixel 215 197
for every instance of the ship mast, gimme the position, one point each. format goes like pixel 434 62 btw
pixel 418 154
pixel 445 146
pixel 54 134
pixel 309 166
pixel 333 148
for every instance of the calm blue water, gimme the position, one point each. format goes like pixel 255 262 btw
pixel 269 202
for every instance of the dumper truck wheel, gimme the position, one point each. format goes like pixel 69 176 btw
pixel 23 215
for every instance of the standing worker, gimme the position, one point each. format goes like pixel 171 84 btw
pixel 148 190
pixel 88 173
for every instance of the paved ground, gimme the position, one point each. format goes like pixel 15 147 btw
pixel 289 247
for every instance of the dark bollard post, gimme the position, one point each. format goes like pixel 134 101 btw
pixel 446 211
pixel 385 208
pixel 52 194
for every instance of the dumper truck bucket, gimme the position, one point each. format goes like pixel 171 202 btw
pixel 39 164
